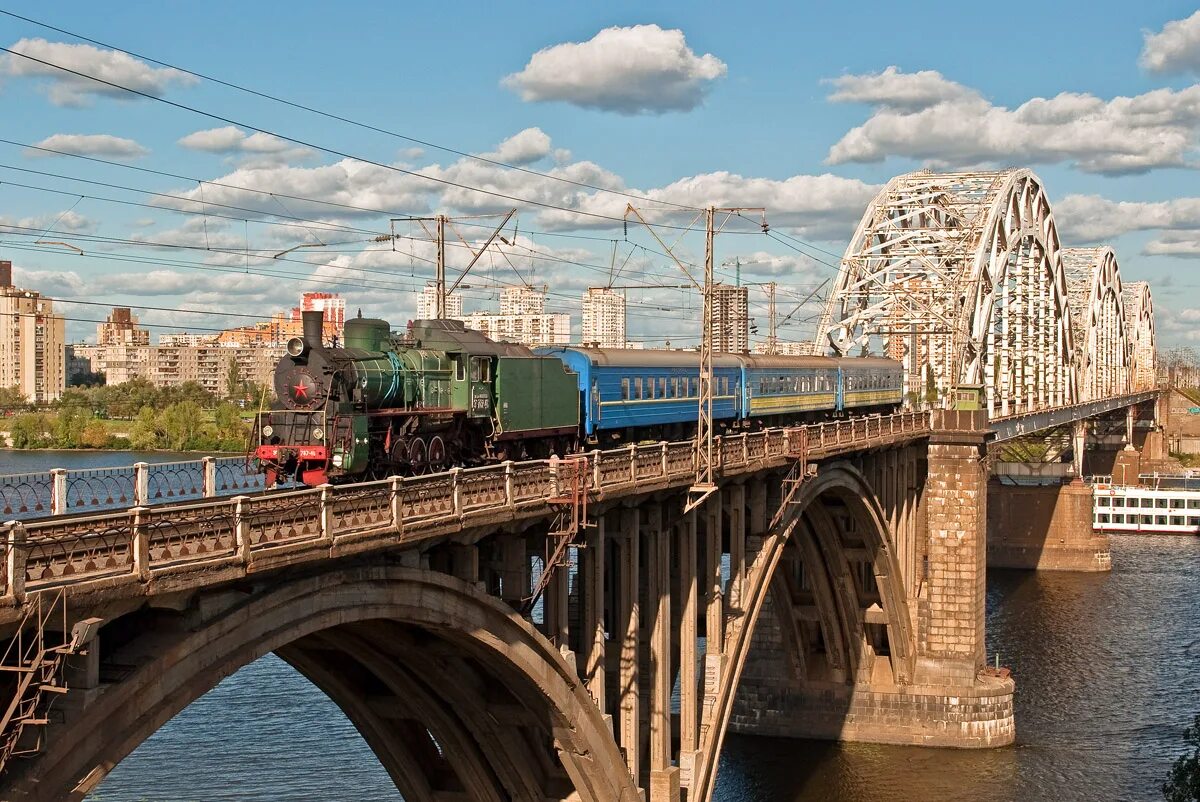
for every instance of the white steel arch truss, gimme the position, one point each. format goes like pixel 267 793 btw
pixel 1139 324
pixel 960 276
pixel 1102 347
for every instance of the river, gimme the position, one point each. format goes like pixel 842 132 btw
pixel 1107 669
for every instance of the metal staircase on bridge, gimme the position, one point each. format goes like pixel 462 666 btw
pixel 572 483
pixel 33 665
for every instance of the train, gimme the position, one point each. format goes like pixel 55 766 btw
pixel 440 395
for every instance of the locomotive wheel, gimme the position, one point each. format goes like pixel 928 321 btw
pixel 438 460
pixel 418 457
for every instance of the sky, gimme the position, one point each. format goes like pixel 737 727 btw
pixel 203 197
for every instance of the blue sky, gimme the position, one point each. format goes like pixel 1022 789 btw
pixel 730 104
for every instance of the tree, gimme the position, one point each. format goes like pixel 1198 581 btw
pixel 145 433
pixel 182 425
pixel 94 435
pixel 1183 783
pixel 259 396
pixel 234 388
pixel 231 430
pixel 11 398
pixel 69 425
pixel 29 430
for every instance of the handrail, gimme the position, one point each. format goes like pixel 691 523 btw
pixel 134 544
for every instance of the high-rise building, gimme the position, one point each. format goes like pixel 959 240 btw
pixel 731 318
pixel 427 304
pixel 32 342
pixel 121 328
pixel 603 318
pixel 173 365
pixel 531 330
pixel 522 301
pixel 334 307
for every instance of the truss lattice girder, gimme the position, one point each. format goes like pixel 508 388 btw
pixel 1102 345
pixel 1139 327
pixel 961 274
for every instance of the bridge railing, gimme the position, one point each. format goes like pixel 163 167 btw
pixel 135 544
pixel 60 491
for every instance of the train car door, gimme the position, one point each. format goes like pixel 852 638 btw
pixel 480 401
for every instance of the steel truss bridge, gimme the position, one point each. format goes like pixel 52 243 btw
pixel 962 276
pixel 516 632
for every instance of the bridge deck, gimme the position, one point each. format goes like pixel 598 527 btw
pixel 152 550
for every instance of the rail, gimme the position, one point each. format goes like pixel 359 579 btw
pixel 251 533
pixel 60 491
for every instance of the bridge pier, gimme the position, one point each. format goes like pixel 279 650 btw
pixel 907 666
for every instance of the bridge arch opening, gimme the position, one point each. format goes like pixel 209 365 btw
pixel 825 609
pixel 450 688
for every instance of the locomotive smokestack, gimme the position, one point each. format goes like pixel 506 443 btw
pixel 314 325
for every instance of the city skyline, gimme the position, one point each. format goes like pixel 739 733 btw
pixel 1113 176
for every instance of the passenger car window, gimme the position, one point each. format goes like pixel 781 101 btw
pixel 624 389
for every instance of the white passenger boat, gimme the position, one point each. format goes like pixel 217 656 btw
pixel 1157 505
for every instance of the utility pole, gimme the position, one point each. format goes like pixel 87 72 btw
pixel 440 281
pixel 439 238
pixel 705 483
pixel 772 339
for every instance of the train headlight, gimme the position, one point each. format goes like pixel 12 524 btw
pixel 318 433
pixel 295 346
pixel 268 430
pixel 337 460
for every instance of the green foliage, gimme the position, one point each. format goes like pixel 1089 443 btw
pixel 145 434
pixel 69 425
pixel 11 398
pixel 235 387
pixel 182 425
pixel 95 435
pixel 31 430
pixel 1183 783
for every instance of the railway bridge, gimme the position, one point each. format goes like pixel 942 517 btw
pixel 561 629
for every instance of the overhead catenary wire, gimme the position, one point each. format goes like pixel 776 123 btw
pixel 323 148
pixel 347 120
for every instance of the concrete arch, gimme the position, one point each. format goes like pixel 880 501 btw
pixel 333 614
pixel 843 481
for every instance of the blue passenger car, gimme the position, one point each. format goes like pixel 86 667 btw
pixel 624 389
pixel 777 386
pixel 868 382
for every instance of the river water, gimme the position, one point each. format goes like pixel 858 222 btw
pixel 1107 669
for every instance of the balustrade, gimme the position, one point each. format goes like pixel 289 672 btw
pixel 136 542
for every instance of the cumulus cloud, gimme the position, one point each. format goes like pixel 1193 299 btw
pixel 257 149
pixel 68 89
pixel 68 221
pixel 641 69
pixel 106 145
pixel 1176 48
pixel 523 147
pixel 927 117
pixel 1092 218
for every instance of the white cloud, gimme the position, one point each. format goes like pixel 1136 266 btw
pixel 68 221
pixel 926 117
pixel 90 145
pixel 1176 48
pixel 253 150
pixel 1091 218
pixel 522 148
pixel 67 89
pixel 634 70
pixel 895 89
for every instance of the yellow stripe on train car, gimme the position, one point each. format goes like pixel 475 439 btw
pixel 791 401
pixel 855 397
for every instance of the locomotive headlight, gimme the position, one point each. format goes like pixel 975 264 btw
pixel 268 430
pixel 295 346
pixel 318 433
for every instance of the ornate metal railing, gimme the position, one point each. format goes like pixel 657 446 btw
pixel 136 544
pixel 61 491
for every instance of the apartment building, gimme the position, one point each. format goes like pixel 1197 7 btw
pixel 32 342
pixel 427 304
pixel 603 318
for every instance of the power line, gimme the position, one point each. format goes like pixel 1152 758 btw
pixel 314 146
pixel 332 116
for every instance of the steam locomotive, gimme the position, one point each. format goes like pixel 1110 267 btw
pixel 440 395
